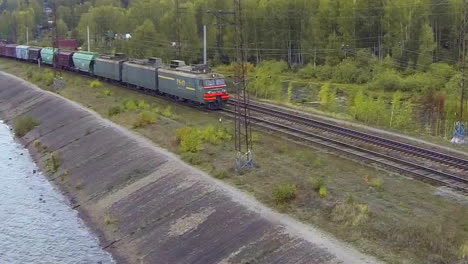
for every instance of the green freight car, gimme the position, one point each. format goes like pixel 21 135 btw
pixel 195 83
pixel 109 67
pixel 84 61
pixel 141 73
pixel 47 55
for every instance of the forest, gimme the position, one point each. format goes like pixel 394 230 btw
pixel 398 56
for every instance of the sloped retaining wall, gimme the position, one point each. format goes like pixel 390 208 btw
pixel 145 204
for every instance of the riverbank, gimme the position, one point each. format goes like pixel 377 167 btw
pixel 377 211
pixel 145 204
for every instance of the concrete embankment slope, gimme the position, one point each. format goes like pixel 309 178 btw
pixel 145 204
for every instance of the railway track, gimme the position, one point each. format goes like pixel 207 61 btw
pixel 346 141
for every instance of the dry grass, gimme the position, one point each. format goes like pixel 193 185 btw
pixel 404 222
pixel 23 124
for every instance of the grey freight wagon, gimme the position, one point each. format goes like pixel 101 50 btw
pixel 141 73
pixel 109 67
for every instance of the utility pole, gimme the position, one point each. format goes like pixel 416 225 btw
pixel 464 40
pixel 55 46
pixel 27 35
pixel 178 30
pixel 243 128
pixel 221 21
pixel 89 45
pixel 205 61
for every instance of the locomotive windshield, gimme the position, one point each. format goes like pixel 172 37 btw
pixel 214 82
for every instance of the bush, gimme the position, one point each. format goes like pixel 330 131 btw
pixel 388 80
pixel 130 105
pixel 374 182
pixel 52 162
pixel 95 84
pixel 214 136
pixel 324 72
pixel 190 139
pixel 323 191
pixel 317 183
pixel 220 174
pixel 142 105
pixel 107 92
pixel 284 193
pixel 24 124
pixel 145 118
pixel 167 112
pixel 114 110
pixel 308 72
pixel 48 77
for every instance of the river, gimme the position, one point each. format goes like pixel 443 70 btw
pixel 36 223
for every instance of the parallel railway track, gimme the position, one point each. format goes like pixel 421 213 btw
pixel 346 141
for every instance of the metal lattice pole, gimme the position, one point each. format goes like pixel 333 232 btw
pixel 243 130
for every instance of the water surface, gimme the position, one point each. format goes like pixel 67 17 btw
pixel 36 223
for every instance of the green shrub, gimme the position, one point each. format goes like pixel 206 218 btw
pixel 114 110
pixel 388 80
pixel 130 105
pixel 145 118
pixel 214 136
pixel 323 191
pixel 308 72
pixel 107 92
pixel 167 112
pixel 324 72
pixel 317 183
pixel 284 193
pixel 95 84
pixel 374 182
pixel 52 162
pixel 23 124
pixel 48 77
pixel 191 142
pixel 142 105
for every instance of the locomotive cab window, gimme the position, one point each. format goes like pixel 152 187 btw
pixel 220 82
pixel 210 82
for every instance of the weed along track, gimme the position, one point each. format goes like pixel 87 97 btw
pixel 427 165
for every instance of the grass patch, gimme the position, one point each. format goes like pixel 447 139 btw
pixel 41 148
pixel 350 213
pixel 142 105
pixel 53 162
pixel 284 193
pixel 95 84
pixel 145 118
pixel 115 110
pixel 107 92
pixel 130 105
pixel 221 174
pixel 23 124
pixel 374 182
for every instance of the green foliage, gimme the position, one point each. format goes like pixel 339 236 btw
pixel 190 139
pixel 167 112
pixel 193 158
pixel 95 84
pixel 52 162
pixel 284 193
pixel 328 97
pixel 142 105
pixel 48 77
pixel 374 182
pixel 317 183
pixel 23 124
pixel 369 110
pixel 267 82
pixel 145 118
pixel 389 80
pixel 323 191
pixel 130 105
pixel 114 110
pixel 221 174
pixel 426 47
pixel 107 92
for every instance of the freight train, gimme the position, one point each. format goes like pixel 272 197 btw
pixel 192 83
